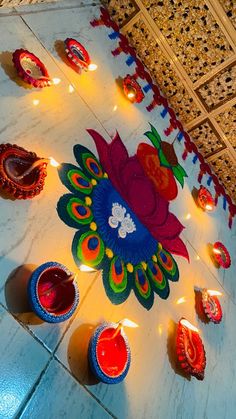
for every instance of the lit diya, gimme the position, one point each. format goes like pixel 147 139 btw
pixel 190 350
pixel 211 305
pixel 30 68
pixel 109 352
pixel 132 89
pixel 78 56
pixel 221 255
pixel 205 199
pixel 53 292
pixel 22 172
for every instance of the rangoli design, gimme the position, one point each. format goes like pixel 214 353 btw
pixel 124 224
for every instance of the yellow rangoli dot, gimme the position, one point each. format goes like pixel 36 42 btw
pixel 154 258
pixel 144 265
pixel 93 226
pixel 88 200
pixel 109 253
pixel 94 182
pixel 130 267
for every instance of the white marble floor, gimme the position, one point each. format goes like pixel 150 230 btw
pixel 44 367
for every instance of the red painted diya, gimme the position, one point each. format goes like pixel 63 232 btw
pixel 190 350
pixel 205 199
pixel 22 172
pixel 30 68
pixel 53 293
pixel 211 305
pixel 109 353
pixel 132 89
pixel 78 56
pixel 221 255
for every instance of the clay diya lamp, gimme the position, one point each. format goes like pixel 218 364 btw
pixel 22 172
pixel 221 255
pixel 211 305
pixel 190 350
pixel 205 199
pixel 30 68
pixel 132 89
pixel 78 56
pixel 53 292
pixel 109 352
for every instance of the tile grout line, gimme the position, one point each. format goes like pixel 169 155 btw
pixel 65 75
pixel 71 321
pixel 33 390
pixel 84 387
pixel 19 13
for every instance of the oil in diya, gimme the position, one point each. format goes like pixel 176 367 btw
pixel 53 292
pixel 109 352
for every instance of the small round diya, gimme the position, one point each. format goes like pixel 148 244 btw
pixel 22 172
pixel 77 55
pixel 30 68
pixel 53 293
pixel 132 89
pixel 109 353
pixel 221 255
pixel 205 199
pixel 190 350
pixel 211 305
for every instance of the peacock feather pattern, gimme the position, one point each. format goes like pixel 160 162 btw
pixel 124 226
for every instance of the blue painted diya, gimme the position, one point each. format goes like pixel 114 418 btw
pixel 109 353
pixel 53 293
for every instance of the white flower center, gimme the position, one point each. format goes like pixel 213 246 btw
pixel 121 220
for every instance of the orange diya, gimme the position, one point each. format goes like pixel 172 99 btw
pixel 190 350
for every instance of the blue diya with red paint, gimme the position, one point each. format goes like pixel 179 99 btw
pixel 109 353
pixel 53 292
pixel 123 222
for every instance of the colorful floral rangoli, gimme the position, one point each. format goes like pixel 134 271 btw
pixel 123 220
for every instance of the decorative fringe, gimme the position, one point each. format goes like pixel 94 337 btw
pixel 224 202
pixel 147 88
pixel 164 112
pixel 185 153
pixel 97 22
pixel 116 51
pixel 216 198
pixel 209 180
pixel 200 176
pixel 130 60
pixel 114 35
pixel 180 136
pixel 151 106
pixel 195 159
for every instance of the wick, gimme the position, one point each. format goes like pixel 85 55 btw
pixel 68 280
pixel 117 331
pixel 32 167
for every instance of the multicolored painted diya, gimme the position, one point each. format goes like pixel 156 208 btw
pixel 53 293
pixel 15 178
pixel 124 224
pixel 211 305
pixel 77 55
pixel 221 255
pixel 30 68
pixel 205 199
pixel 109 353
pixel 190 350
pixel 132 89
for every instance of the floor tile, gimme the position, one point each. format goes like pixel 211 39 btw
pixel 21 363
pixel 58 395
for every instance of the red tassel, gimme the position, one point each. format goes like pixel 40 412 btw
pixel 216 198
pixel 168 130
pixel 97 22
pixel 151 106
pixel 200 176
pixel 116 51
pixel 230 220
pixel 184 155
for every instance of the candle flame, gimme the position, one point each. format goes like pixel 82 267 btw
pixel 53 162
pixel 213 292
pixel 92 67
pixel 130 95
pixel 217 251
pixel 85 268
pixel 188 216
pixel 181 300
pixel 56 80
pixel 160 329
pixel 35 102
pixel 187 324
pixel 71 88
pixel 115 108
pixel 209 207
pixel 128 323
